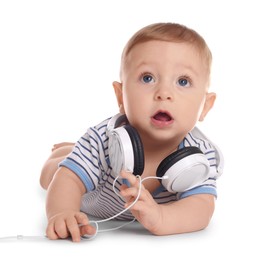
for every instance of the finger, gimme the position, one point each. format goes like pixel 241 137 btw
pixel 123 187
pixel 50 232
pixel 129 192
pixel 73 228
pixel 132 179
pixel 132 191
pixel 82 218
pixel 61 229
pixel 87 230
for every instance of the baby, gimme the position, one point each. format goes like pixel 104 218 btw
pixel 162 93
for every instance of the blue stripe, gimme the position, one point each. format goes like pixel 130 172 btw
pixel 109 197
pixel 87 149
pixel 165 202
pixel 99 143
pixel 102 126
pixel 186 140
pixel 198 144
pixel 69 163
pixel 86 157
pixel 87 141
pixel 78 155
pixel 211 151
pixel 181 145
pixel 99 138
pixel 158 190
pixel 199 190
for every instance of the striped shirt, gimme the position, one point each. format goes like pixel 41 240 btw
pixel 89 160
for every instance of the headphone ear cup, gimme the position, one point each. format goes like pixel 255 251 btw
pixel 185 169
pixel 126 150
pixel 138 151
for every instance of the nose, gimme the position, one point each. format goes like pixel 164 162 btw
pixel 163 93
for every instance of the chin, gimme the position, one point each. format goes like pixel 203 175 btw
pixel 162 138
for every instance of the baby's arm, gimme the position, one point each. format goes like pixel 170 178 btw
pixel 186 215
pixel 63 207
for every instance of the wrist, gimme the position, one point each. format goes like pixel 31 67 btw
pixel 158 223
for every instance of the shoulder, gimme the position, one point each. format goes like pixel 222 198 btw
pixel 96 135
pixel 194 138
pixel 100 129
pixel 89 157
pixel 94 143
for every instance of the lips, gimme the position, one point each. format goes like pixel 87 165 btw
pixel 162 118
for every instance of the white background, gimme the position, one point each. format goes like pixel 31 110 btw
pixel 57 62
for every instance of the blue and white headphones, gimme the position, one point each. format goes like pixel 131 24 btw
pixel 184 169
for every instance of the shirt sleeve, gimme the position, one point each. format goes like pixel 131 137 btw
pixel 88 158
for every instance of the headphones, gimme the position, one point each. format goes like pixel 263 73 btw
pixel 182 170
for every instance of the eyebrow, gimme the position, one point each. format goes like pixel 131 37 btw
pixel 189 68
pixel 143 63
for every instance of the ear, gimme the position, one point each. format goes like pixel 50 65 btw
pixel 119 95
pixel 208 104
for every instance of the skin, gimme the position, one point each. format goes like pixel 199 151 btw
pixel 174 83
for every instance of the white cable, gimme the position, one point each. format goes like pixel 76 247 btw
pixel 86 237
pixel 115 228
pixel 126 209
pixel 22 237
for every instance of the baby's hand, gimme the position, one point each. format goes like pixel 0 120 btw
pixel 69 223
pixel 145 210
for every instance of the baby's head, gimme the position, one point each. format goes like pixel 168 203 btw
pixel 165 72
pixel 168 32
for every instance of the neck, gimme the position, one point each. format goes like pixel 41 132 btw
pixel 159 149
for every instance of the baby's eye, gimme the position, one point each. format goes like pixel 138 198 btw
pixel 147 78
pixel 184 82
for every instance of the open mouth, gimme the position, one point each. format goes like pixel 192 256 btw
pixel 162 116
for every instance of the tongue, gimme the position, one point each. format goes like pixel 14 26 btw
pixel 162 117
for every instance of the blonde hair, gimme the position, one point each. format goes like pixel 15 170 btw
pixel 170 32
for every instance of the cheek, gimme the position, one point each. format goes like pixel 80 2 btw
pixel 133 99
pixel 127 99
pixel 192 110
pixel 134 105
pixel 201 106
pixel 197 110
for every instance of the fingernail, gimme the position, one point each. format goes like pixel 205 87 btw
pixel 125 181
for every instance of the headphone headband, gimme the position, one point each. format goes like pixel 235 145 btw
pixel 116 121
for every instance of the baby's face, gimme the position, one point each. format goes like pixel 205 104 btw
pixel 164 89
